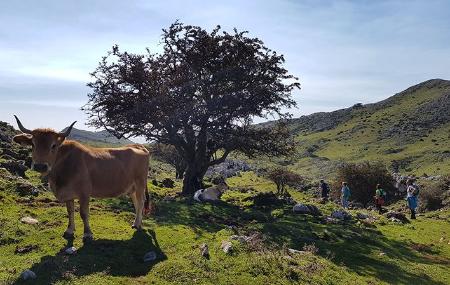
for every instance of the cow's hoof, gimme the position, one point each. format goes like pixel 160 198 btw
pixel 88 239
pixel 68 236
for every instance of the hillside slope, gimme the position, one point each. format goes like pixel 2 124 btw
pixel 409 132
pixel 97 138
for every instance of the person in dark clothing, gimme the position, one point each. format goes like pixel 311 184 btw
pixel 325 189
pixel 380 198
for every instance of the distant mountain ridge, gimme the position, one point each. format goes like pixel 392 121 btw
pixel 101 137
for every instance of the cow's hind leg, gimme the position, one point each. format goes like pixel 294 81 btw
pixel 69 233
pixel 84 213
pixel 138 201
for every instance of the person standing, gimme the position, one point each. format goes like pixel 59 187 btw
pixel 345 195
pixel 412 192
pixel 380 198
pixel 325 190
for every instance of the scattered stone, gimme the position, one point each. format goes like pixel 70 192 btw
pixel 241 239
pixel 382 253
pixel 306 210
pixel 341 215
pixel 150 256
pixel 29 220
pixel 395 220
pixel 71 250
pixel 331 220
pixel 442 239
pixel 204 250
pixel 398 216
pixel 361 216
pixel 295 251
pixel 15 167
pixel 23 187
pixel 28 274
pixel 226 246
pixel 25 249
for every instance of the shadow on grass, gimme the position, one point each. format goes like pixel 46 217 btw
pixel 363 250
pixel 111 257
pixel 210 217
pixel 357 248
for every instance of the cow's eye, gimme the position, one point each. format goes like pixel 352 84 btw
pixel 53 146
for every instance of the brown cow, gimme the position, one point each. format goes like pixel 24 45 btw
pixel 76 171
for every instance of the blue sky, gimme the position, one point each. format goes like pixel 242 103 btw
pixel 344 52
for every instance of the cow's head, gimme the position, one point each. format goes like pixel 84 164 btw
pixel 45 144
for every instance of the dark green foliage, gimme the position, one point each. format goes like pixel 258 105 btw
pixel 435 195
pixel 199 95
pixel 362 178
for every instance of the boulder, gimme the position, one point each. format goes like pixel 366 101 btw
pixel 29 220
pixel 226 246
pixel 397 216
pixel 23 187
pixel 204 250
pixel 71 250
pixel 15 167
pixel 28 274
pixel 341 215
pixel 361 216
pixel 306 209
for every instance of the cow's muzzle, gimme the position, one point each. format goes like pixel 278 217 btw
pixel 40 167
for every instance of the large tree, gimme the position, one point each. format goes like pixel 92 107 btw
pixel 200 94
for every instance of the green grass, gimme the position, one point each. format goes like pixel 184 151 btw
pixel 347 253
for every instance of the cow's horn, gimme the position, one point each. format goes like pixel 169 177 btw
pixel 21 127
pixel 67 132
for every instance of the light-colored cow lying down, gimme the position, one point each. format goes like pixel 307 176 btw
pixel 76 171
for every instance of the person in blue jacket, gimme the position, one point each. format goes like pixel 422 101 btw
pixel 412 191
pixel 345 195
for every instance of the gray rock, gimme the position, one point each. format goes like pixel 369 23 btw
pixel 204 250
pixel 28 274
pixel 226 246
pixel 29 220
pixel 150 256
pixel 361 216
pixel 398 216
pixel 71 250
pixel 306 209
pixel 341 215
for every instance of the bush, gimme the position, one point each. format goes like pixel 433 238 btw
pixel 435 195
pixel 362 178
pixel 283 177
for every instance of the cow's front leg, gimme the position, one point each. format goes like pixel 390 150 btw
pixel 68 234
pixel 84 213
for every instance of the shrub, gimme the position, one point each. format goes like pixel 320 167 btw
pixel 283 177
pixel 435 195
pixel 362 178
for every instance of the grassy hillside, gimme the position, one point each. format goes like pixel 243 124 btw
pixel 101 138
pixel 409 131
pixel 353 252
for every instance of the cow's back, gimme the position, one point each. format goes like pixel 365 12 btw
pixel 115 171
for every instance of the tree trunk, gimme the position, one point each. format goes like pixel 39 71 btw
pixel 193 180
pixel 179 172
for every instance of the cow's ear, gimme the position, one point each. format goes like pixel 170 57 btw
pixel 23 139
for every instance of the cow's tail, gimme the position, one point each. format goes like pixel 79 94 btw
pixel 147 201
